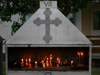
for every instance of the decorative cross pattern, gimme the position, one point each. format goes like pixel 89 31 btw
pixel 47 23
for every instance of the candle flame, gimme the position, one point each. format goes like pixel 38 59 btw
pixel 71 61
pixel 35 62
pixel 47 58
pixel 78 53
pixel 82 53
pixel 22 60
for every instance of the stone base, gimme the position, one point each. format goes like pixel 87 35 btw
pixel 48 73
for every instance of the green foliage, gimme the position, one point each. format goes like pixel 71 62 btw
pixel 24 7
pixel 15 27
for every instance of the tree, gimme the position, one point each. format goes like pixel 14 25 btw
pixel 24 7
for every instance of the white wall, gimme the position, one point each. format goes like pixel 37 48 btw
pixel 5 28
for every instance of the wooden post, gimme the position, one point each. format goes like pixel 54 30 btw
pixel 1 58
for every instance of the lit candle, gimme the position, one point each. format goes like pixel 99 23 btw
pixel 15 63
pixel 58 62
pixel 22 62
pixel 79 56
pixel 43 64
pixel 47 63
pixel 26 62
pixel 36 64
pixel 29 60
pixel 50 60
pixel 42 61
pixel 82 56
pixel 30 63
pixel 71 63
pixel 47 59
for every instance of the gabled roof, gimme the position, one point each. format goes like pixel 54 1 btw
pixel 48 26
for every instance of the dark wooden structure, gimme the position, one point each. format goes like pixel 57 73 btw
pixel 1 57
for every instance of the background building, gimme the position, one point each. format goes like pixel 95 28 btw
pixel 88 22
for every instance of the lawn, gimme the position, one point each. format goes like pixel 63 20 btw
pixel 96 72
pixel 4 68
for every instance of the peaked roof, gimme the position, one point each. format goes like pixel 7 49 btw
pixel 48 26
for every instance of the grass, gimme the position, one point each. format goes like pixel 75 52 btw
pixel 96 72
pixel 4 68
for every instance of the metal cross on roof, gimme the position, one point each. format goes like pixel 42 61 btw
pixel 47 23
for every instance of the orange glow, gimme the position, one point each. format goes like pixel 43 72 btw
pixel 80 64
pixel 29 60
pixel 47 58
pixel 42 61
pixel 47 63
pixel 30 65
pixel 82 56
pixel 36 64
pixel 78 53
pixel 57 65
pixel 72 63
pixel 82 53
pixel 15 63
pixel 50 54
pixel 26 63
pixel 22 60
pixel 43 64
pixel 50 60
pixel 58 60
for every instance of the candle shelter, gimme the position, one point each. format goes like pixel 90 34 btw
pixel 48 43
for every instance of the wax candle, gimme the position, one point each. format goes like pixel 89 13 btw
pixel 22 62
pixel 82 56
pixel 72 63
pixel 79 56
pixel 26 63
pixel 36 64
pixel 43 64
pixel 50 60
